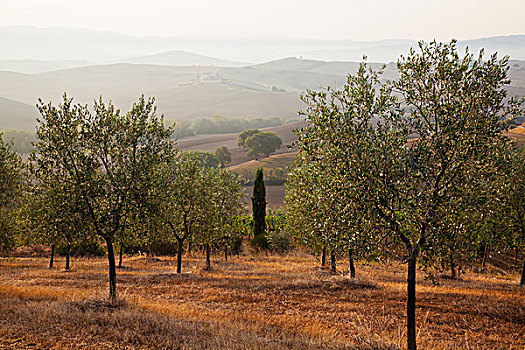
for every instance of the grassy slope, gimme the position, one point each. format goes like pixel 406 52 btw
pixel 265 302
pixel 180 92
pixel 210 143
pixel 192 92
pixel 16 115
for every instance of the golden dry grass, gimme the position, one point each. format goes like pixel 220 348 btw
pixel 262 302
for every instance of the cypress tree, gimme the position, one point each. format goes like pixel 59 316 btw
pixel 259 204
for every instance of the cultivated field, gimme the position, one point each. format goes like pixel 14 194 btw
pixel 261 302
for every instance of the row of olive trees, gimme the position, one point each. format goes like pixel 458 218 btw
pixel 420 162
pixel 100 174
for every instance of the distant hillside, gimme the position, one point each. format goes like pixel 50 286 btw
pixel 35 66
pixel 16 115
pixel 210 143
pixel 24 42
pixel 271 89
pixel 182 58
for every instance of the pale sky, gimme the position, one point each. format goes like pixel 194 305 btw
pixel 328 19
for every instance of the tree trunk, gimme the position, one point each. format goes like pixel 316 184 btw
pixel 522 282
pixel 332 262
pixel 323 257
pixel 208 262
pixel 351 262
pixel 179 255
pixel 112 271
pixel 485 256
pixel 189 247
pixel 68 255
pixel 453 271
pixel 226 253
pixel 120 254
pixel 411 304
pixel 52 258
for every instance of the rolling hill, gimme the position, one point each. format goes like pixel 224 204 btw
pixel 60 43
pixel 181 58
pixel 210 143
pixel 16 115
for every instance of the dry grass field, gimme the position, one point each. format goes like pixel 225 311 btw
pixel 250 302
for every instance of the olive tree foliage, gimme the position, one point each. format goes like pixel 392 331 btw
pixel 312 209
pixel 403 166
pixel 325 207
pixel 514 203
pixel 193 201
pixel 11 181
pixel 177 199
pixel 104 159
pixel 54 215
pixel 223 203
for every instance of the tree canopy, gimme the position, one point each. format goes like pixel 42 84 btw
pixel 403 152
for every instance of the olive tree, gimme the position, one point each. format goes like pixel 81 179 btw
pixel 223 203
pixel 105 158
pixel 404 149
pixel 178 199
pixel 11 181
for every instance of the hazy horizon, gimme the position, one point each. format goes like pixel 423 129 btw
pixel 293 19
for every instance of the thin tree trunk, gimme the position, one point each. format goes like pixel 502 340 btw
pixel 351 262
pixel 226 253
pixel 189 247
pixel 332 262
pixel 485 256
pixel 452 270
pixel 52 258
pixel 68 255
pixel 323 257
pixel 179 255
pixel 522 282
pixel 208 262
pixel 112 271
pixel 150 251
pixel 411 304
pixel 120 254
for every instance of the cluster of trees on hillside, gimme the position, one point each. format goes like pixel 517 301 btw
pixel 219 124
pixel 417 167
pixel 115 177
pixel 259 142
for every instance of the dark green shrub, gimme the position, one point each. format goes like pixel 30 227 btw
pixel 260 242
pixel 279 242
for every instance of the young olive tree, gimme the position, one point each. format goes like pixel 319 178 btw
pixel 54 215
pixel 11 181
pixel 179 199
pixel 313 213
pixel 105 159
pixel 224 202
